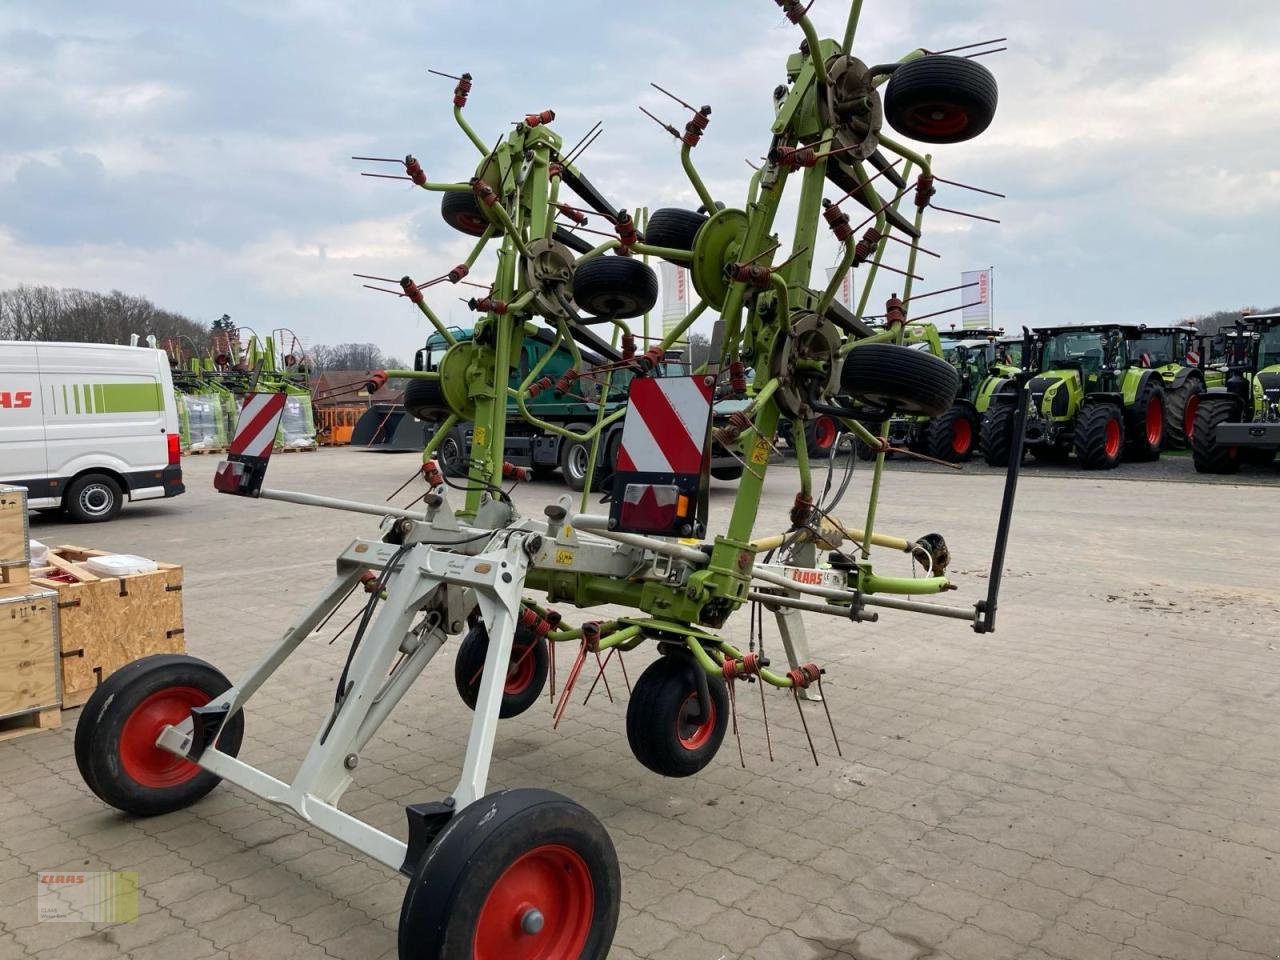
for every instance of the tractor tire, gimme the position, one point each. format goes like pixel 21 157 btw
pixel 953 436
pixel 1207 453
pixel 1099 436
pixel 673 228
pixel 941 99
pixel 617 288
pixel 820 436
pixel 424 399
pixel 462 212
pixel 667 731
pixel 899 378
pixel 1180 405
pixel 995 437
pixel 1145 427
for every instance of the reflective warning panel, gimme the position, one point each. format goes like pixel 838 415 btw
pixel 661 473
pixel 245 468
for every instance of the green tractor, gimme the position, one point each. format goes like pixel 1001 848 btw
pixel 1178 355
pixel 1092 395
pixel 953 436
pixel 1241 419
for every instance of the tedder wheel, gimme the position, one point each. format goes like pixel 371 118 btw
pixel 728 473
pixel 1209 455
pixel 673 228
pixel 1145 429
pixel 952 436
pixel 518 875
pixel 425 400
pixel 667 727
pixel 905 380
pixel 1099 436
pixel 526 672
pixel 453 453
pixel 1180 408
pixel 462 212
pixel 115 743
pixel 614 288
pixel 996 434
pixel 941 99
pixel 93 498
pixel 820 436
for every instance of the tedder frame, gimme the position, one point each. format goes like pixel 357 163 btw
pixel 526 873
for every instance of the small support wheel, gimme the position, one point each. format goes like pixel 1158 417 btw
pixel 526 673
pixel 517 875
pixel 900 378
pixel 614 288
pixel 668 728
pixel 462 212
pixel 941 99
pixel 115 743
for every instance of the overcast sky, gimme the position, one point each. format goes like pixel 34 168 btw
pixel 198 153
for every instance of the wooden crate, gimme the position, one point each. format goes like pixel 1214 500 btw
pixel 29 672
pixel 106 622
pixel 15 548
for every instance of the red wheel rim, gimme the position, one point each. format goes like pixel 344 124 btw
pixel 824 432
pixel 691 733
pixel 1193 405
pixel 520 672
pixel 962 436
pixel 550 884
pixel 1155 422
pixel 1113 437
pixel 143 761
pixel 938 119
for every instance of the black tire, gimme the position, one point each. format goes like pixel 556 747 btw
pixel 93 498
pixel 1207 453
pixel 660 730
pixel 454 453
pixel 115 735
pixel 1099 436
pixel 673 228
pixel 995 436
pixel 899 378
pixel 526 676
pixel 953 436
pixel 500 857
pixel 728 473
pixel 1146 424
pixel 462 212
pixel 425 400
pixel 575 456
pixel 1180 406
pixel 941 99
pixel 820 435
pixel 614 287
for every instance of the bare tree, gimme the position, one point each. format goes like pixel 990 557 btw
pixel 46 313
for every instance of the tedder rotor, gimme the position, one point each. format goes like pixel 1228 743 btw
pixel 526 873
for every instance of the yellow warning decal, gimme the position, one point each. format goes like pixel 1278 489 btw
pixel 760 452
pixel 564 557
pixel 480 435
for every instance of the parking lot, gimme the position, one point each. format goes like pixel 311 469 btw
pixel 1098 779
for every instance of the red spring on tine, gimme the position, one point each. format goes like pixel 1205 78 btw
pixel 414 169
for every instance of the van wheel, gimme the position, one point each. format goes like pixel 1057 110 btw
pixel 93 498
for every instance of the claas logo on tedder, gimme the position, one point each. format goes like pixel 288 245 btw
pixel 17 401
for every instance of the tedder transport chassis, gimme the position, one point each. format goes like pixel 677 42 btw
pixel 521 874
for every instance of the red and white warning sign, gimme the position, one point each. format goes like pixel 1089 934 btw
pixel 666 426
pixel 245 468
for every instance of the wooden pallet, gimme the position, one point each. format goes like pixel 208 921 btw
pixel 23 724
pixel 298 449
pixel 204 452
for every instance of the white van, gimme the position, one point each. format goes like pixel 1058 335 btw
pixel 85 425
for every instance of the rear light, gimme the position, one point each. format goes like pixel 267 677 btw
pixel 652 507
pixel 175 450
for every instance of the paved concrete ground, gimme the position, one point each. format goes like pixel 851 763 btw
pixel 1099 779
